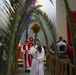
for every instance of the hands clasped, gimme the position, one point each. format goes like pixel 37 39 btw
pixel 26 51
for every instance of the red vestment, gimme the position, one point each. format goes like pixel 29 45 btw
pixel 27 58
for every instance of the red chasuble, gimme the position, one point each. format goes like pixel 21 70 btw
pixel 27 57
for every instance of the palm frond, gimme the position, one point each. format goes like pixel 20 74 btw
pixel 27 16
pixel 23 23
pixel 43 29
pixel 19 34
pixel 51 1
pixel 17 15
pixel 49 25
pixel 13 2
pixel 72 28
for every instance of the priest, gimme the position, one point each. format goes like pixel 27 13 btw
pixel 26 57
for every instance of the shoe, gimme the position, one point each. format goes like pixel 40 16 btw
pixel 25 70
pixel 28 71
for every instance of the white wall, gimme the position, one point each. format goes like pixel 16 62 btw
pixel 61 16
pixel 61 19
pixel 72 4
pixel 49 8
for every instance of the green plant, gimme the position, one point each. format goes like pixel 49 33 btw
pixel 14 23
pixel 46 23
pixel 72 28
pixel 15 16
pixel 51 1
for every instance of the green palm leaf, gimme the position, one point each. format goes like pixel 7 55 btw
pixel 51 1
pixel 17 16
pixel 49 25
pixel 72 28
pixel 43 29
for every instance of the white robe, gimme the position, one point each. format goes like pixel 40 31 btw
pixel 37 62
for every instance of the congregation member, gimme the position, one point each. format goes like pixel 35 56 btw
pixel 70 52
pixel 59 43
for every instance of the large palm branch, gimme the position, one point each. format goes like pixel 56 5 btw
pixel 16 22
pixel 46 23
pixel 72 28
pixel 17 16
pixel 51 1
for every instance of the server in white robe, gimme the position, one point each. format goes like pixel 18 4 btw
pixel 37 53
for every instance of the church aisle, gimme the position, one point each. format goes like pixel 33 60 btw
pixel 22 72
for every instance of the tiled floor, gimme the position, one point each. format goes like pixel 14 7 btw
pixel 22 72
